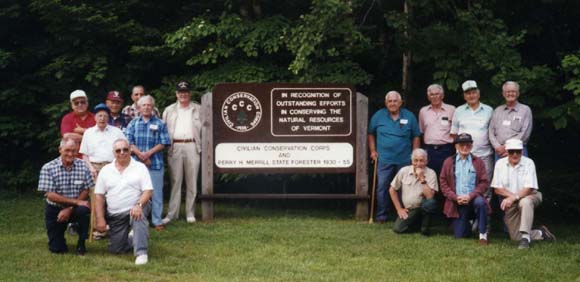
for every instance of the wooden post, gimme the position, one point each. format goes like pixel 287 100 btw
pixel 206 157
pixel 362 174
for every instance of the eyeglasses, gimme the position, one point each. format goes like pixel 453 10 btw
pixel 81 102
pixel 124 150
pixel 517 152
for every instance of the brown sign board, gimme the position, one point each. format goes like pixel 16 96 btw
pixel 284 128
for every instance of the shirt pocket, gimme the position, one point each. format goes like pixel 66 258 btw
pixel 516 125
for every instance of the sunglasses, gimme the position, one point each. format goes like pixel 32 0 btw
pixel 124 150
pixel 517 152
pixel 81 102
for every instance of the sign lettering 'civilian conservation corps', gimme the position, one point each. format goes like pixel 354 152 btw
pixel 274 128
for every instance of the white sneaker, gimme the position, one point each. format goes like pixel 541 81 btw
pixel 165 220
pixel 141 260
pixel 190 219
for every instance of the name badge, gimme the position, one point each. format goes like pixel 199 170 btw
pixel 444 122
pixel 518 118
pixel 506 123
pixel 77 182
pixel 153 127
pixel 404 121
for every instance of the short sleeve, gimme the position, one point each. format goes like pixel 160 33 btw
pixel 45 181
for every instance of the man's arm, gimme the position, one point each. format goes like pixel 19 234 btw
pixel 152 151
pixel 416 142
pixel 59 199
pixel 445 185
pixel 136 211
pixel 510 198
pixel 401 211
pixel 527 126
pixel 100 222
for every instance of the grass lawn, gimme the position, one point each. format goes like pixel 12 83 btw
pixel 258 244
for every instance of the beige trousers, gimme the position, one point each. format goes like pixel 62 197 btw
pixel 519 218
pixel 183 162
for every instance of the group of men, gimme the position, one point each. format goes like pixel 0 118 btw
pixel 96 153
pixel 467 152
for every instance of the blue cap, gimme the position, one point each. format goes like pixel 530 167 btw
pixel 101 107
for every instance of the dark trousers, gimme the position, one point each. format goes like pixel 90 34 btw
pixel 385 174
pixel 437 154
pixel 422 214
pixel 475 210
pixel 55 230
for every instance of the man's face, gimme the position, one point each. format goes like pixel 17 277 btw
pixel 471 96
pixel 464 148
pixel 510 93
pixel 79 105
pixel 419 161
pixel 435 96
pixel 146 108
pixel 68 151
pixel 102 118
pixel 137 93
pixel 114 106
pixel 121 151
pixel 514 156
pixel 183 96
pixel 393 104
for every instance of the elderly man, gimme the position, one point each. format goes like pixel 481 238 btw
pixel 511 120
pixel 418 184
pixel 515 181
pixel 132 111
pixel 392 134
pixel 114 102
pixel 184 126
pixel 464 183
pixel 125 186
pixel 435 124
pixel 75 123
pixel 148 136
pixel 66 181
pixel 97 141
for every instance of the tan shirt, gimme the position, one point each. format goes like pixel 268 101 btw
pixel 412 188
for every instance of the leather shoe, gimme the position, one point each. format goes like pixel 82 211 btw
pixel 159 227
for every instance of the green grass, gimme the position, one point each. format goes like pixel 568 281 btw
pixel 257 244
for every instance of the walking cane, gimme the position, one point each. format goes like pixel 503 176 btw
pixel 373 193
pixel 92 220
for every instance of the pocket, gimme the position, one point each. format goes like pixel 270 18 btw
pixel 516 126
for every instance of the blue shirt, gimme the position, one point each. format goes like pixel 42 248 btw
pixel 54 177
pixel 146 135
pixel 394 137
pixel 476 123
pixel 464 175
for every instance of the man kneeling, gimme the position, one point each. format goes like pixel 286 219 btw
pixel 126 186
pixel 418 184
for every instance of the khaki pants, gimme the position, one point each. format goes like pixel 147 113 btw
pixel 520 217
pixel 183 162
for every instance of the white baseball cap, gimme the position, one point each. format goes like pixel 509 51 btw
pixel 514 144
pixel 468 85
pixel 77 94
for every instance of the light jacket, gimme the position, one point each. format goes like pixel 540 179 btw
pixel 170 118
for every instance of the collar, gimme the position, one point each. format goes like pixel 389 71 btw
pixel 458 158
pixel 515 107
pixel 430 107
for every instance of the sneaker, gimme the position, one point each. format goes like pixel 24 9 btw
pixel 524 244
pixel 141 260
pixel 99 235
pixel 546 234
pixel 166 220
pixel 190 219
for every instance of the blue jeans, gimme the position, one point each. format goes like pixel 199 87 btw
pixel 385 174
pixel 475 210
pixel 157 201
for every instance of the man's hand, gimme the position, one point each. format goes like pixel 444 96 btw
pixel 64 214
pixel 501 151
pixel 374 155
pixel 420 174
pixel 93 172
pixel 463 200
pixel 147 162
pixel 507 203
pixel 100 224
pixel 136 212
pixel 403 213
pixel 78 129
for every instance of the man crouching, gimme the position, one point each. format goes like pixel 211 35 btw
pixel 418 184
pixel 126 186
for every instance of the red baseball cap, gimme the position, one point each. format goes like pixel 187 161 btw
pixel 114 96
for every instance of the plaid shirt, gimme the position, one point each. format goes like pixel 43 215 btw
pixel 132 112
pixel 145 135
pixel 55 178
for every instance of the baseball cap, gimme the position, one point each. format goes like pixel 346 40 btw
pixel 101 107
pixel 463 138
pixel 182 86
pixel 114 96
pixel 514 144
pixel 468 85
pixel 77 94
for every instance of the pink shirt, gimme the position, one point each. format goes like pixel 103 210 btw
pixel 436 125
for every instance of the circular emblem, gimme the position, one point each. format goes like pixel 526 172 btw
pixel 241 111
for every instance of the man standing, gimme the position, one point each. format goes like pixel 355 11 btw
pixel 148 136
pixel 184 127
pixel 435 124
pixel 132 111
pixel 115 104
pixel 511 120
pixel 66 182
pixel 515 181
pixel 418 184
pixel 464 184
pixel 397 133
pixel 75 123
pixel 125 186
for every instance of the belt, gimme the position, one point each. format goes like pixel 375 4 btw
pixel 101 163
pixel 183 141
pixel 437 147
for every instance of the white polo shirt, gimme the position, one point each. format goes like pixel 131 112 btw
pixel 98 145
pixel 515 178
pixel 123 190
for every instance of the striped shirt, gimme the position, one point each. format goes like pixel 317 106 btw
pixel 476 123
pixel 54 177
pixel 507 123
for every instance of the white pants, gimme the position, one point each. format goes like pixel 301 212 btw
pixel 183 162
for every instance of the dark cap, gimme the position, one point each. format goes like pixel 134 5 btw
pixel 114 96
pixel 463 138
pixel 101 107
pixel 182 86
